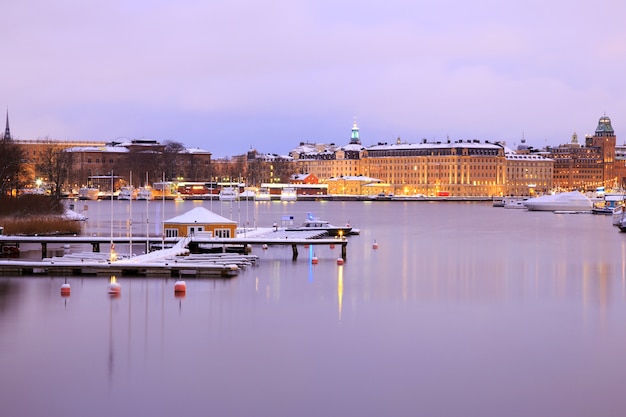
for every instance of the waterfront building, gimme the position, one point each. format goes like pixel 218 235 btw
pixel 329 160
pixel 303 179
pixel 264 168
pixel 587 167
pixel 459 168
pixel 200 220
pixel 620 165
pixel 528 174
pixel 89 159
pixel 357 185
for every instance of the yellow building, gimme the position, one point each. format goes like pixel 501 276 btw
pixel 200 220
pixel 460 168
pixel 528 174
pixel 590 166
pixel 355 185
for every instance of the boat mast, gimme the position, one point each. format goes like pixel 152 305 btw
pixel 147 218
pixel 130 216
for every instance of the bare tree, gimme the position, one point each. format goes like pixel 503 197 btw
pixel 11 166
pixel 283 170
pixel 258 172
pixel 54 165
pixel 169 157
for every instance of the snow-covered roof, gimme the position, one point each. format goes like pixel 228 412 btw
pixel 353 147
pixel 101 149
pixel 199 215
pixel 195 150
pixel 438 145
pixel 523 156
pixel 300 177
pixel 355 178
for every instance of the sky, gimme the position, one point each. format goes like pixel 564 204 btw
pixel 227 76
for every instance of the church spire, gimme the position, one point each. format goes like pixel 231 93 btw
pixel 7 131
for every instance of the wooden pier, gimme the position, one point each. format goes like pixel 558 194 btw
pixel 166 264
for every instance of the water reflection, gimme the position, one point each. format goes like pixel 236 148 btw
pixel 340 289
pixel 478 308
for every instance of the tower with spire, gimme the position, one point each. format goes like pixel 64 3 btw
pixel 354 138
pixel 7 131
pixel 604 139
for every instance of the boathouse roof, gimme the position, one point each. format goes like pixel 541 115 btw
pixel 199 215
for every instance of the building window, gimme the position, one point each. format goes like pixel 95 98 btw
pixel 171 232
pixel 222 232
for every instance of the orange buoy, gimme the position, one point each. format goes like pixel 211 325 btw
pixel 332 246
pixel 375 245
pixel 314 260
pixel 306 246
pixel 65 290
pixel 339 261
pixel 180 287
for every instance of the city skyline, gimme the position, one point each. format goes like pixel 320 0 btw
pixel 227 77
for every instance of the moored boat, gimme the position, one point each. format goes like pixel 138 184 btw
pixel 263 194
pixel 514 203
pixel 570 201
pixel 126 193
pixel 88 193
pixel 288 194
pixel 608 204
pixel 145 193
pixel 313 223
pixel 228 194
pixel 618 215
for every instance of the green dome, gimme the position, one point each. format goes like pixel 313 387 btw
pixel 604 126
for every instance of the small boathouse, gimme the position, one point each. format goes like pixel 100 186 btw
pixel 200 220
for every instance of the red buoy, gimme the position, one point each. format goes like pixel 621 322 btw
pixel 65 290
pixel 339 261
pixel 314 260
pixel 180 287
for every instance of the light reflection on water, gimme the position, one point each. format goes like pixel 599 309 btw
pixel 464 310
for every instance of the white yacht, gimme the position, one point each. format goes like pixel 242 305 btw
pixel 618 215
pixel 145 193
pixel 126 193
pixel 88 193
pixel 228 194
pixel 263 194
pixel 571 201
pixel 514 203
pixel 288 194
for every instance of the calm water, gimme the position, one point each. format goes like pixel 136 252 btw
pixel 464 310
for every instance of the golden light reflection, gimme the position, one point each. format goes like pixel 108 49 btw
pixel 623 269
pixel 113 256
pixel 340 289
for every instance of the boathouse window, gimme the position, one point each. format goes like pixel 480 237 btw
pixel 222 232
pixel 171 232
